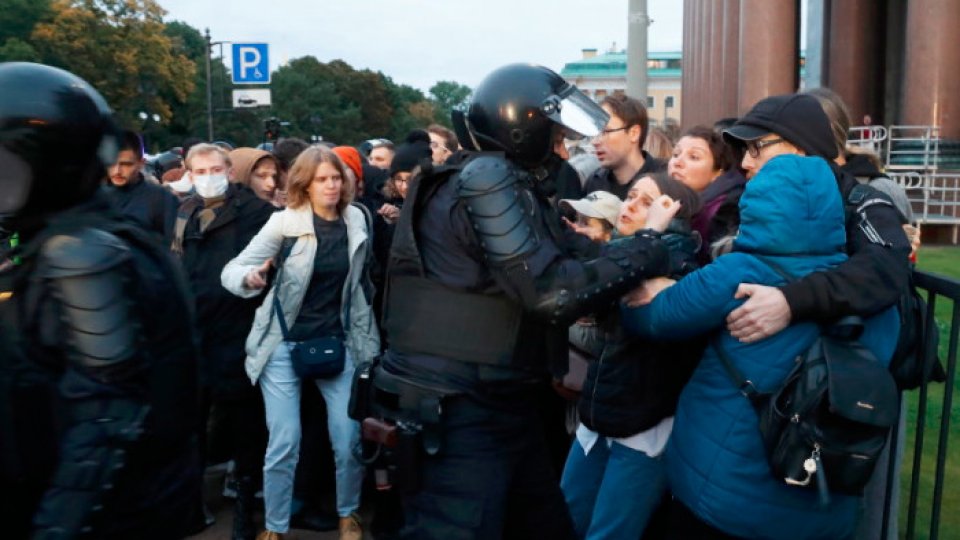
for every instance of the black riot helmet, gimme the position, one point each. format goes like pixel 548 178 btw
pixel 515 110
pixel 57 136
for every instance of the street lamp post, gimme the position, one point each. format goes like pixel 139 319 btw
pixel 209 88
pixel 638 21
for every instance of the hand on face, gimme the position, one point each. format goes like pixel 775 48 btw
pixel 661 212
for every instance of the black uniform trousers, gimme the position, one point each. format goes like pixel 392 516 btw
pixel 493 478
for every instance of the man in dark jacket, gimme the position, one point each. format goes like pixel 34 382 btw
pixel 213 226
pixel 152 206
pixel 876 272
pixel 98 386
pixel 620 148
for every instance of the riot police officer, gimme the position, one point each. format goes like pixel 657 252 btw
pixel 479 295
pixel 98 382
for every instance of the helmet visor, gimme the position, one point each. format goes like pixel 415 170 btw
pixel 15 180
pixel 576 112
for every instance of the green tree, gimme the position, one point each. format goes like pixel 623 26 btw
pixel 19 17
pixel 411 109
pixel 17 50
pixel 118 46
pixel 17 20
pixel 446 96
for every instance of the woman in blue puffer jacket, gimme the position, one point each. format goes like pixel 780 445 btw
pixel 791 214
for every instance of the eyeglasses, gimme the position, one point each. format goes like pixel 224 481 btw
pixel 754 147
pixel 604 132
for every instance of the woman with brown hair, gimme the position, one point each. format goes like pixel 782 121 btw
pixel 323 290
pixel 704 163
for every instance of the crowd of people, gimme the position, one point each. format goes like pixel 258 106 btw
pixel 296 308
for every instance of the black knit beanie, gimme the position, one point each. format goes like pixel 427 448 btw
pixel 414 149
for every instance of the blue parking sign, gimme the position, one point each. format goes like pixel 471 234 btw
pixel 251 63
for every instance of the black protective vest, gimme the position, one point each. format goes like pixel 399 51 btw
pixel 425 317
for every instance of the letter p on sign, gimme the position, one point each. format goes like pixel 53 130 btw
pixel 251 63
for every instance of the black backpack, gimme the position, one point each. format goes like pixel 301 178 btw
pixel 915 360
pixel 826 425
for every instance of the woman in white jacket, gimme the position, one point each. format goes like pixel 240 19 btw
pixel 324 291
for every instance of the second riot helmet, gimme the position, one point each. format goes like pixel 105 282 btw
pixel 57 136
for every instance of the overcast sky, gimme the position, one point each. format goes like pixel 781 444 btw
pixel 419 42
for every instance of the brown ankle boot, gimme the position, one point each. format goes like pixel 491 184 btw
pixel 269 535
pixel 350 528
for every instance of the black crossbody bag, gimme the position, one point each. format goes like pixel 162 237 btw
pixel 318 358
pixel 826 425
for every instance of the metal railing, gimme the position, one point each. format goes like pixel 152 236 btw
pixel 913 148
pixel 871 137
pixel 934 287
pixel 902 148
pixel 935 197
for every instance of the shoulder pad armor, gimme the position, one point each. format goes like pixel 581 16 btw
pixel 500 208
pixel 88 251
pixel 484 174
pixel 89 274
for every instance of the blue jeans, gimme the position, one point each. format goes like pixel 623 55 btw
pixel 612 492
pixel 281 398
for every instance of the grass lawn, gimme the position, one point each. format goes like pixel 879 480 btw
pixel 944 261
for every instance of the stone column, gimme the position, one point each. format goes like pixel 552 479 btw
pixel 703 62
pixel 768 49
pixel 855 53
pixel 689 91
pixel 730 59
pixel 715 59
pixel 931 89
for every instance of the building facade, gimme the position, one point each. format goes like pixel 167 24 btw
pixel 600 75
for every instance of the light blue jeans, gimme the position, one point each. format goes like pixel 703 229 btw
pixel 281 398
pixel 612 492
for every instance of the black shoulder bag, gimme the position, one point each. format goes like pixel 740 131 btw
pixel 319 358
pixel 825 426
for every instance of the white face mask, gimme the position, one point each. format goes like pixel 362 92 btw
pixel 209 186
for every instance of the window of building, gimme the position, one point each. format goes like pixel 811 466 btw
pixel 668 101
pixel 650 102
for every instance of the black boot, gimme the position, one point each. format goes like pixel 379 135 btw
pixel 243 528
